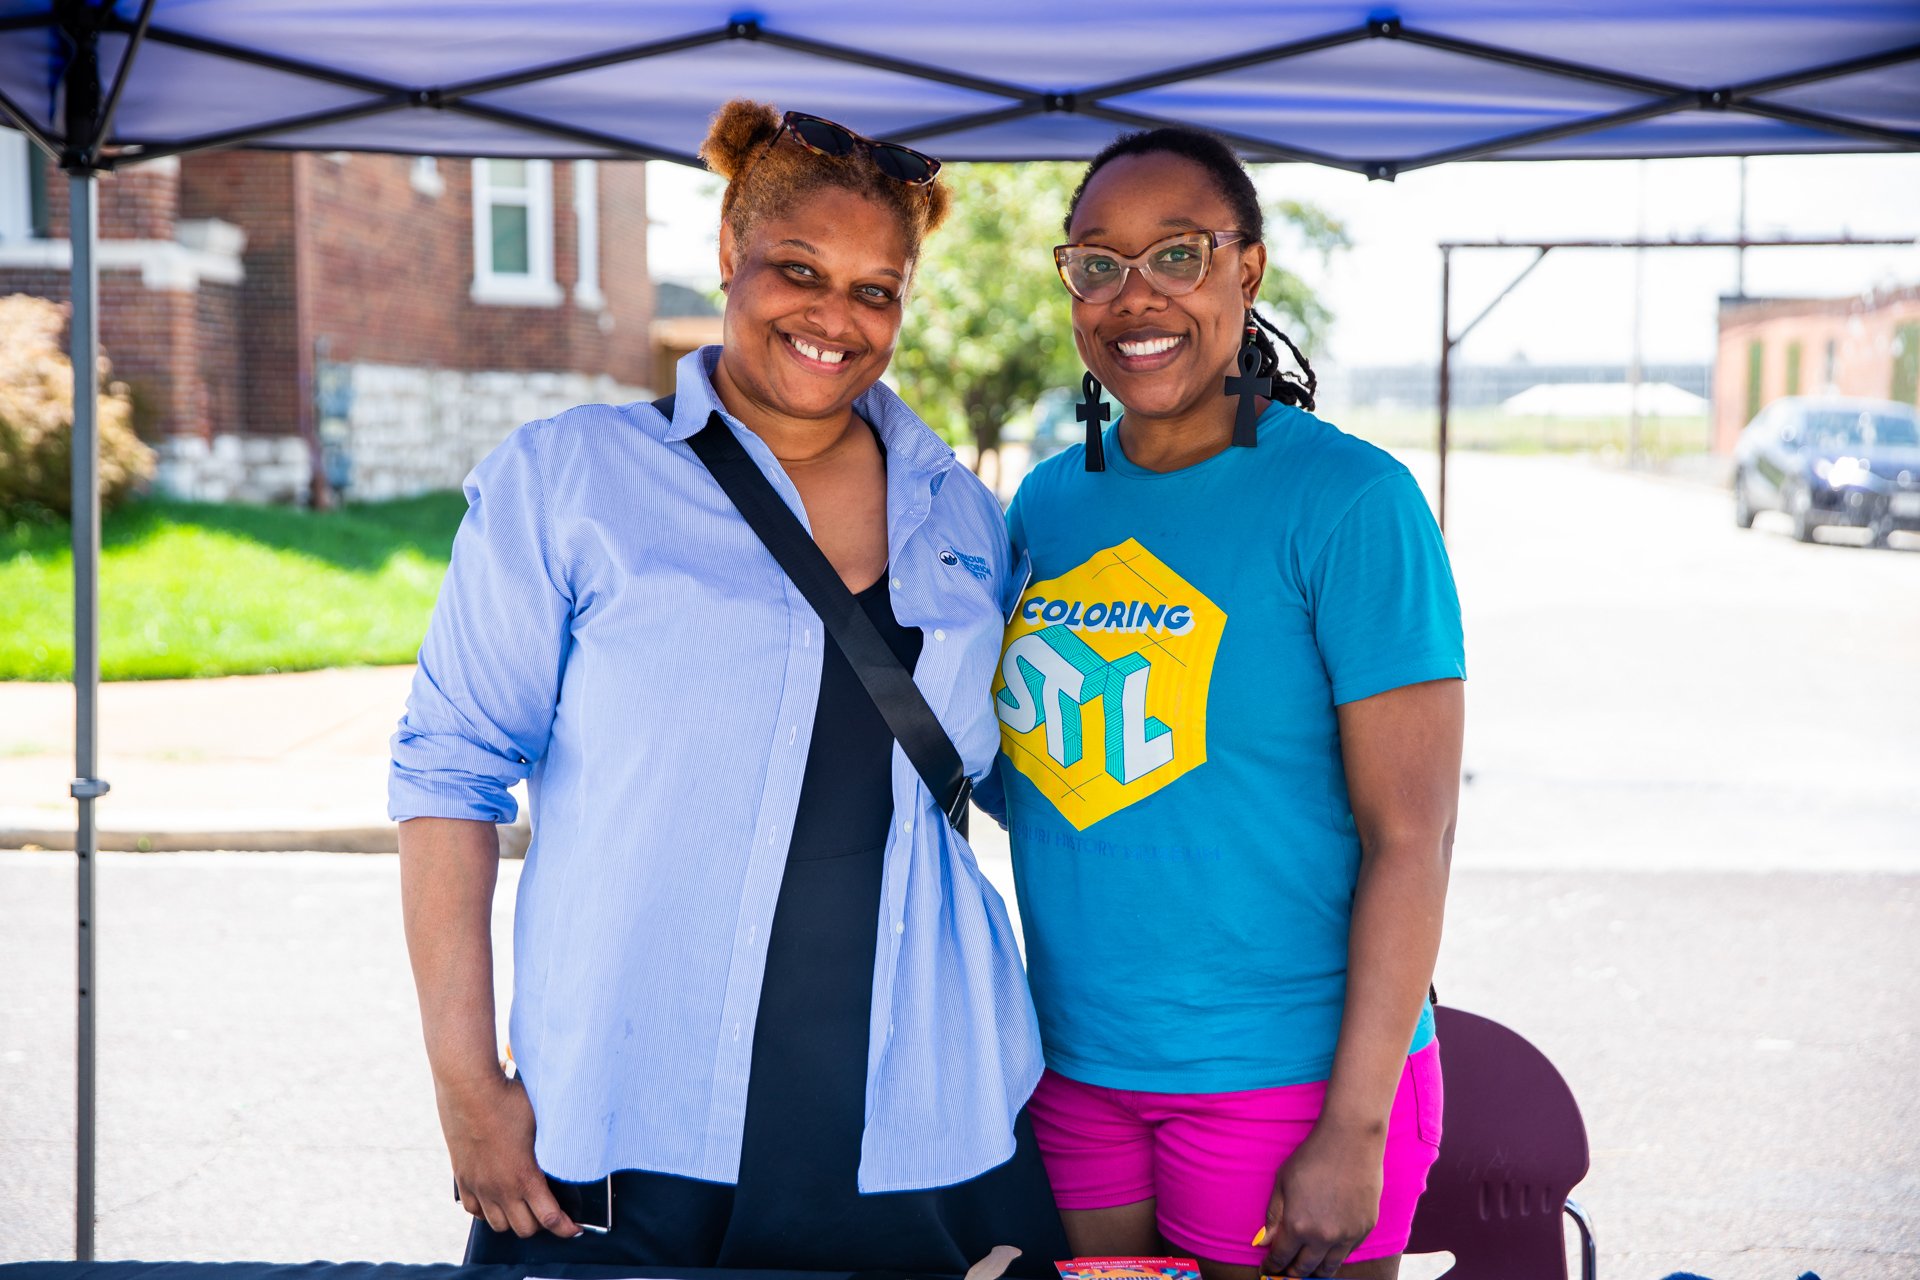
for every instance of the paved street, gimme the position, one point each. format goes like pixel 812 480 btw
pixel 1689 868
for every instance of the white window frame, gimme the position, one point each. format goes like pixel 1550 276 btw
pixel 586 218
pixel 16 197
pixel 535 287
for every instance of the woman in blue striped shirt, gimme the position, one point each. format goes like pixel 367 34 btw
pixel 758 977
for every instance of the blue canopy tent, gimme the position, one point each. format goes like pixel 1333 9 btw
pixel 1377 90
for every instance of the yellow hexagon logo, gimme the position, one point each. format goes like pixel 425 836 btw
pixel 1102 693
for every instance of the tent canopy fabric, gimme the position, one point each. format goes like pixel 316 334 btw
pixel 1378 90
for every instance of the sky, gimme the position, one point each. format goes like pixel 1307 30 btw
pixel 1578 306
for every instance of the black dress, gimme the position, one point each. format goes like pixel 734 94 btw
pixel 797 1206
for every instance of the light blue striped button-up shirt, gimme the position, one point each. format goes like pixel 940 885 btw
pixel 611 630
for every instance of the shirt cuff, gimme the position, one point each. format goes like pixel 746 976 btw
pixel 411 794
pixel 1398 675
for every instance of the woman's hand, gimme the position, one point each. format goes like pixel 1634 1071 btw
pixel 1326 1199
pixel 489 1130
pixel 447 871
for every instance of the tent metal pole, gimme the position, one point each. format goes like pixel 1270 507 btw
pixel 84 344
pixel 12 114
pixel 103 125
pixel 80 22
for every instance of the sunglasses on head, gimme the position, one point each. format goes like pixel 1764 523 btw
pixel 1174 266
pixel 825 138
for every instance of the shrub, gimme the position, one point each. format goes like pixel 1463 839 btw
pixel 36 417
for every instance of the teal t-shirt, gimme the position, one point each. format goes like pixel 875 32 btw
pixel 1183 845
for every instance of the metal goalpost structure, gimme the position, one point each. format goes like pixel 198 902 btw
pixel 1541 248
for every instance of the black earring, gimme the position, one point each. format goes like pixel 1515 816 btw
pixel 1093 411
pixel 1249 384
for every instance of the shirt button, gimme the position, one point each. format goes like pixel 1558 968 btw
pixel 938 634
pixel 889 1031
pixel 896 584
pixel 906 828
pixel 899 926
pixel 793 731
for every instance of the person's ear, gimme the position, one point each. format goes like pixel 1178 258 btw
pixel 726 255
pixel 1253 268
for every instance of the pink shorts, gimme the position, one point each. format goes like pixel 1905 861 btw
pixel 1208 1160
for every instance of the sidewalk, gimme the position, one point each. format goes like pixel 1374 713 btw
pixel 295 761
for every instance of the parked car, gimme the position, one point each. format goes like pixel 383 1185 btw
pixel 1056 424
pixel 1830 461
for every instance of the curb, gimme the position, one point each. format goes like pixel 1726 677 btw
pixel 381 839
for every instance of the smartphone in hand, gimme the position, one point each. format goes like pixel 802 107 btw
pixel 589 1204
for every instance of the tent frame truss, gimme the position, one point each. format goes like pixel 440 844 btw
pixel 84 23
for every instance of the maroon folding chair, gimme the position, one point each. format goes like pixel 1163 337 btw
pixel 1512 1147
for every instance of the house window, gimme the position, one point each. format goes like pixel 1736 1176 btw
pixel 586 216
pixel 1833 351
pixel 1756 362
pixel 1906 363
pixel 1793 368
pixel 23 190
pixel 513 233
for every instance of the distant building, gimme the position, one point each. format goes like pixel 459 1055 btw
pixel 1868 345
pixel 684 319
pixel 1604 400
pixel 365 324
pixel 1416 386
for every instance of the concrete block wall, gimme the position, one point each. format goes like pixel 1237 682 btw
pixel 411 430
pixel 235 468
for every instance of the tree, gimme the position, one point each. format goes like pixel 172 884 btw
pixel 36 418
pixel 1296 225
pixel 989 326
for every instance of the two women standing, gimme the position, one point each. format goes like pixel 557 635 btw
pixel 759 980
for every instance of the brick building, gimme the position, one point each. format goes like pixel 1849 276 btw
pixel 1867 345
pixel 365 324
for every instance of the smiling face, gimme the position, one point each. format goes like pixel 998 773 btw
pixel 1163 357
pixel 813 307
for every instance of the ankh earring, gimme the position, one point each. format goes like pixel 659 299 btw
pixel 1093 411
pixel 1249 385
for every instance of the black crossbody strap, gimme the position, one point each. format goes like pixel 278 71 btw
pixel 887 682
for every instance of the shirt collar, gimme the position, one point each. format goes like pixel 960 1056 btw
pixel 905 436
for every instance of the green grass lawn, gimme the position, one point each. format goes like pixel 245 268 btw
pixel 205 589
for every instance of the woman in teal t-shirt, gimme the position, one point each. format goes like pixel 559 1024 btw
pixel 1231 718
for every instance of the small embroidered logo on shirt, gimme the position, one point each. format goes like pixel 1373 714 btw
pixel 975 565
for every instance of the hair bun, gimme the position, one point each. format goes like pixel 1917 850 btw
pixel 939 202
pixel 739 129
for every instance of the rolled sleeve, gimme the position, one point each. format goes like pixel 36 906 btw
pixel 482 704
pixel 1386 611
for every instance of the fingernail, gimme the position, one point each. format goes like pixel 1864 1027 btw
pixel 1259 1237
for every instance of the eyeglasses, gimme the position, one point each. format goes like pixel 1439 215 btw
pixel 1174 266
pixel 825 138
